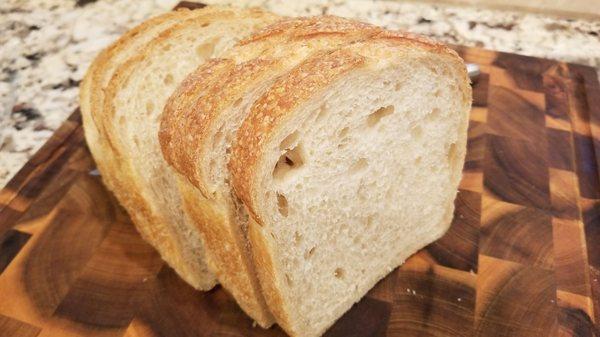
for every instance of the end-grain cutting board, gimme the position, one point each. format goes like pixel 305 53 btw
pixel 522 257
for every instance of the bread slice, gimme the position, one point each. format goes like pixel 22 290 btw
pixel 135 98
pixel 193 270
pixel 210 105
pixel 348 164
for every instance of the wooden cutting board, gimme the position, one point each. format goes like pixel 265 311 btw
pixel 522 257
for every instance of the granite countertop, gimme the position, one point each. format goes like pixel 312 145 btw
pixel 47 45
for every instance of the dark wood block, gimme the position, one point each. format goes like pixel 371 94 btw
pixel 560 149
pixel 10 244
pixel 458 248
pixel 586 166
pixel 516 172
pixel 557 103
pixel 108 290
pixel 10 327
pixel 514 300
pixel 516 114
pixel 575 315
pixel 480 90
pixel 516 79
pixel 81 221
pixel 430 303
pixel 503 235
pixel 570 257
pixel 564 194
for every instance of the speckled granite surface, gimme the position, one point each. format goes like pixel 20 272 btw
pixel 46 46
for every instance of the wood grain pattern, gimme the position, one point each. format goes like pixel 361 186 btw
pixel 522 257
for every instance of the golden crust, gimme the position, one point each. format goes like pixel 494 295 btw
pixel 105 154
pixel 223 88
pixel 306 27
pixel 213 222
pixel 178 147
pixel 188 92
pixel 263 261
pixel 267 112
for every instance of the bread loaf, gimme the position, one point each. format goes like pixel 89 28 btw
pixel 189 264
pixel 137 94
pixel 348 164
pixel 301 164
pixel 210 105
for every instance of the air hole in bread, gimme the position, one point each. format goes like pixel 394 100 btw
pixel 437 93
pixel 322 113
pixel 309 253
pixel 374 118
pixel 343 132
pixel 290 161
pixel 288 279
pixel 206 24
pixel 388 194
pixel 398 86
pixel 452 155
pixel 369 221
pixel 168 80
pixel 282 204
pixel 434 70
pixel 418 160
pixel 297 238
pixel 358 166
pixel 339 273
pixel 416 132
pixel 149 108
pixel 237 102
pixel 206 50
pixel 166 47
pixel 433 115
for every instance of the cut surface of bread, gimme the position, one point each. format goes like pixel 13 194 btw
pixel 210 105
pixel 134 102
pixel 348 164
pixel 98 75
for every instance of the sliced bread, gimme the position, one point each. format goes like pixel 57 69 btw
pixel 210 105
pixel 134 101
pixel 348 164
pixel 107 158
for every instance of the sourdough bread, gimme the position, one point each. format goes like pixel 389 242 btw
pixel 107 157
pixel 210 105
pixel 348 164
pixel 134 102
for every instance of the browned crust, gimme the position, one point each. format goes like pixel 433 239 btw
pixel 223 83
pixel 306 27
pixel 263 261
pixel 123 74
pixel 268 111
pixel 179 148
pixel 112 166
pixel 213 220
pixel 91 97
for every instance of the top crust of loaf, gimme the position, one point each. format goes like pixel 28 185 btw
pixel 219 83
pixel 272 109
pixel 179 150
pixel 225 83
pixel 304 27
